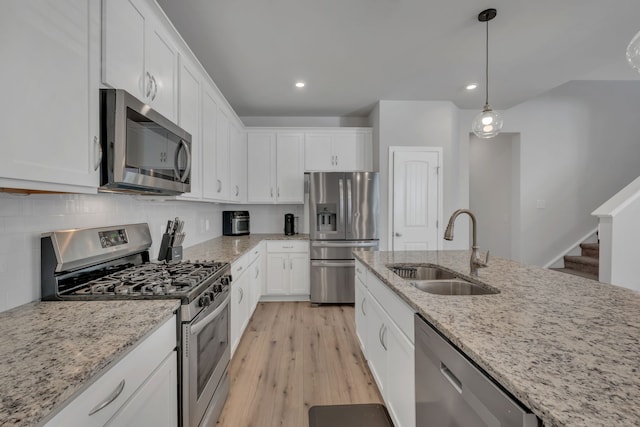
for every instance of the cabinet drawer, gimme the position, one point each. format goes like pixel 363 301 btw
pixel 254 253
pixel 287 246
pixel 126 377
pixel 396 308
pixel 239 266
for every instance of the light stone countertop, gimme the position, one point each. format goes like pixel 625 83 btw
pixel 230 248
pixel 566 346
pixel 51 351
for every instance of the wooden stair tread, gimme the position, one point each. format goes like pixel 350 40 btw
pixel 590 245
pixel 582 260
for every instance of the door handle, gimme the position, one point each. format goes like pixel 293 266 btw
pixel 97 148
pixel 362 306
pixel 398 234
pixel 278 192
pixel 455 382
pixel 241 292
pixel 272 192
pixel 237 190
pixel 290 264
pixel 155 88
pixel 176 166
pixel 149 84
pixel 283 265
pixel 219 185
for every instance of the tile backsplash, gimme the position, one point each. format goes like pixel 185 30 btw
pixel 24 217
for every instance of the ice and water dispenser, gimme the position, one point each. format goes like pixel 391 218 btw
pixel 327 217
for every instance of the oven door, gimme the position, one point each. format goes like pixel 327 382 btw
pixel 206 355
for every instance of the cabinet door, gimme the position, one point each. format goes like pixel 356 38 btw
pixel 278 274
pixel 318 153
pixel 299 276
pixel 376 345
pixel 238 310
pixel 237 164
pixel 255 284
pixel 361 315
pixel 261 167
pixel 161 66
pixel 123 51
pixel 400 387
pixel 189 120
pixel 50 69
pixel 222 156
pixel 155 403
pixel 347 148
pixel 209 135
pixel 290 172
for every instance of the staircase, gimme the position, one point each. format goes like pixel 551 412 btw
pixel 586 264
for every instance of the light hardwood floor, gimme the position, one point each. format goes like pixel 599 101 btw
pixel 294 356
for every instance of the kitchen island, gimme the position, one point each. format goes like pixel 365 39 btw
pixel 51 351
pixel 565 346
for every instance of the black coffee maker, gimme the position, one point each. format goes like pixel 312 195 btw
pixel 289 228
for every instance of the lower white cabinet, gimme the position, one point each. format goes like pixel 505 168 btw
pixel 287 269
pixel 386 339
pixel 141 389
pixel 246 288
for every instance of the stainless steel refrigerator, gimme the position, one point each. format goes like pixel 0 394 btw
pixel 343 216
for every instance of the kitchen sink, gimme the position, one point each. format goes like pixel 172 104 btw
pixel 421 272
pixel 452 287
pixel 434 280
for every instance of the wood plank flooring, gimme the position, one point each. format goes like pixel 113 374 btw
pixel 294 356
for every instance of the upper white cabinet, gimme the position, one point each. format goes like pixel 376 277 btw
pixel 51 72
pixel 209 135
pixel 222 155
pixel 140 54
pixel 338 150
pixel 274 167
pixel 189 118
pixel 238 162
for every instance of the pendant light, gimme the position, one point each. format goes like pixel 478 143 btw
pixel 488 123
pixel 633 53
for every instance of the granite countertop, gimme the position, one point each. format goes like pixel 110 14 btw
pixel 50 351
pixel 566 346
pixel 230 248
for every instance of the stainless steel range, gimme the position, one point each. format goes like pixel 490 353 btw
pixel 113 263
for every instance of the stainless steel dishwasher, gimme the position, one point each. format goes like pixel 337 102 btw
pixel 452 392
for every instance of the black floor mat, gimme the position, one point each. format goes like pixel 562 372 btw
pixel 362 415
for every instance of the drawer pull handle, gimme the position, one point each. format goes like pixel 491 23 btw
pixel 239 269
pixel 113 396
pixel 362 305
pixel 455 382
pixel 287 247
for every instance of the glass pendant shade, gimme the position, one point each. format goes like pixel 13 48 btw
pixel 487 124
pixel 633 53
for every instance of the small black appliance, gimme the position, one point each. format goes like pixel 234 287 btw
pixel 235 223
pixel 289 221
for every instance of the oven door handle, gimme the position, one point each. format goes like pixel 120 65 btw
pixel 197 327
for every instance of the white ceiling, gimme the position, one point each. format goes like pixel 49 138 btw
pixel 352 53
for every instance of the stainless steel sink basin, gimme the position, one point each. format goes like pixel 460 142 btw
pixel 452 287
pixel 421 272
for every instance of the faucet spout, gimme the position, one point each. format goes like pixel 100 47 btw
pixel 475 261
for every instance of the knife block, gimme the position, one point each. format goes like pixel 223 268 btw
pixel 169 253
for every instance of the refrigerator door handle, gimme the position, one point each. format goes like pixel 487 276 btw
pixel 323 244
pixel 349 207
pixel 341 207
pixel 346 264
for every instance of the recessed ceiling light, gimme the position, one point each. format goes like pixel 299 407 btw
pixel 300 84
pixel 471 86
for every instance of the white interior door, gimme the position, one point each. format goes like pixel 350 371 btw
pixel 416 199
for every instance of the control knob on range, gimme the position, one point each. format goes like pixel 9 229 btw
pixel 225 280
pixel 204 301
pixel 217 287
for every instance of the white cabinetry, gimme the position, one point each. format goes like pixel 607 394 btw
pixel 256 277
pixel 239 305
pixel 287 270
pixel 338 150
pixel 209 135
pixel 189 119
pixel 51 74
pixel 222 156
pixel 238 162
pixel 140 53
pixel 141 389
pixel 384 325
pixel 275 167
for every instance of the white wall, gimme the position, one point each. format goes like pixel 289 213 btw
pixel 423 123
pixel 294 121
pixel 491 172
pixel 23 218
pixel 579 144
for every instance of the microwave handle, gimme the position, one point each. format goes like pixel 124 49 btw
pixel 176 166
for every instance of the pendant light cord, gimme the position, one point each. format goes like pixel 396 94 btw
pixel 486 70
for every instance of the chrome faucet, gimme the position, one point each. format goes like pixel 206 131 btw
pixel 475 262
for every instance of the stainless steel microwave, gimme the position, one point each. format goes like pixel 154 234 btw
pixel 143 152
